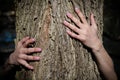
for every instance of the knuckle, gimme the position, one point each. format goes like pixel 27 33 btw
pixel 83 17
pixel 83 39
pixel 77 22
pixel 68 24
pixel 33 57
pixel 34 49
pixel 75 36
pixel 74 28
pixel 31 50
pixel 30 58
pixel 28 50
pixel 21 51
pixel 19 43
pixel 26 57
pixel 19 61
pixel 71 17
pixel 20 56
pixel 27 42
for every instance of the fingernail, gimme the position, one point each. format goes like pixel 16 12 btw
pixel 39 49
pixel 68 14
pixel 33 39
pixel 65 22
pixel 76 8
pixel 31 67
pixel 92 14
pixel 37 58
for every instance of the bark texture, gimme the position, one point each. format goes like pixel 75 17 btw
pixel 62 58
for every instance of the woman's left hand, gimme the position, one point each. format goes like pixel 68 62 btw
pixel 86 33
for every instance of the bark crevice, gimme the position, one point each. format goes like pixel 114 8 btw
pixel 62 57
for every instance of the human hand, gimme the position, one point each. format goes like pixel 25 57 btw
pixel 21 54
pixel 86 33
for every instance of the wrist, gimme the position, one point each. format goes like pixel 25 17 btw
pixel 97 47
pixel 10 59
pixel 8 66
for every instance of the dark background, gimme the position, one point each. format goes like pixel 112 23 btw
pixel 111 33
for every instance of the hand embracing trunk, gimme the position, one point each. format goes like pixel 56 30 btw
pixel 62 57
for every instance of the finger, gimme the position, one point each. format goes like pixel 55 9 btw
pixel 31 50
pixel 82 38
pixel 72 34
pixel 23 40
pixel 79 37
pixel 31 58
pixel 75 20
pixel 81 16
pixel 28 42
pixel 92 20
pixel 72 27
pixel 25 64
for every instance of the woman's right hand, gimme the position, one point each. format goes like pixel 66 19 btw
pixel 21 54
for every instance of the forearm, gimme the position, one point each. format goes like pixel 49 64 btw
pixel 87 34
pixel 105 63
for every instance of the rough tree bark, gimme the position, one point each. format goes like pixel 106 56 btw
pixel 62 58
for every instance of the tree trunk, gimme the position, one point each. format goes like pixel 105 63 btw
pixel 62 57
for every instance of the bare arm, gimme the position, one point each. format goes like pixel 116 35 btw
pixel 105 63
pixel 87 34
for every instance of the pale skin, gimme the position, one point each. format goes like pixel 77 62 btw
pixel 21 54
pixel 87 34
